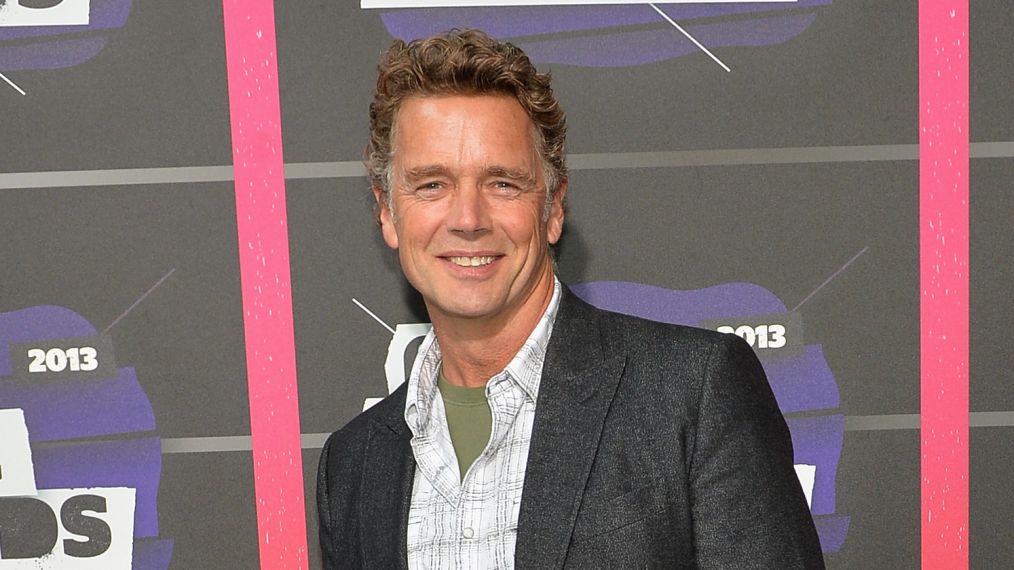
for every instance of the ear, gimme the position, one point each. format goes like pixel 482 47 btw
pixel 554 225
pixel 385 218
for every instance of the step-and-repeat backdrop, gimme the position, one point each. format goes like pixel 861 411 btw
pixel 764 183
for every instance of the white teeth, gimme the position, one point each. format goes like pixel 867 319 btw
pixel 471 261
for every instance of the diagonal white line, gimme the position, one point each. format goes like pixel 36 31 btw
pixel 369 312
pixel 829 279
pixel 138 302
pixel 12 84
pixel 689 37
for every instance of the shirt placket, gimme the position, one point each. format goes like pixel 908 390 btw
pixel 468 521
pixel 476 520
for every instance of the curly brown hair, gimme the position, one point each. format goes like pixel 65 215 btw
pixel 463 62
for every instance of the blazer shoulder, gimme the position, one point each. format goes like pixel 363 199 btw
pixel 677 360
pixel 635 332
pixel 388 413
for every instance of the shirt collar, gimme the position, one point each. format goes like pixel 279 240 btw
pixel 525 369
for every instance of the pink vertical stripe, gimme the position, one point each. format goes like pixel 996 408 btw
pixel 264 272
pixel 943 255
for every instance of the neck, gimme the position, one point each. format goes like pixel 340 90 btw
pixel 473 350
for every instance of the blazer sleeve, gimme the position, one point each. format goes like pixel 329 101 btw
pixel 747 505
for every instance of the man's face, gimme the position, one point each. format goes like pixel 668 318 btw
pixel 468 194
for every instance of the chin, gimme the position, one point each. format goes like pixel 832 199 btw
pixel 467 308
pixel 467 311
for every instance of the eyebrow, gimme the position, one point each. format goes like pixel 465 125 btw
pixel 420 172
pixel 511 174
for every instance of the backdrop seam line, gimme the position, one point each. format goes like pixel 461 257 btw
pixel 582 161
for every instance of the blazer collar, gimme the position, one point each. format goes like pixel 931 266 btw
pixel 579 380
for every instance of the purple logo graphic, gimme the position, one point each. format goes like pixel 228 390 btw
pixel 35 34
pixel 87 428
pixel 800 378
pixel 615 35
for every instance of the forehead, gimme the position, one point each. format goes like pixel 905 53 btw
pixel 462 127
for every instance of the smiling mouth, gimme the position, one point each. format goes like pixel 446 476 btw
pixel 476 261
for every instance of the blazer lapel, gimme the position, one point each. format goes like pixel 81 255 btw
pixel 387 493
pixel 579 381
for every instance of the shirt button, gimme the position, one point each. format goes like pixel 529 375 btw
pixel 468 532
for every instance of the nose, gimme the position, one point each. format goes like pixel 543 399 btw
pixel 469 211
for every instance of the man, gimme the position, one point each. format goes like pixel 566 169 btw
pixel 536 431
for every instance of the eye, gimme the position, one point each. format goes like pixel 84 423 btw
pixel 429 188
pixel 507 187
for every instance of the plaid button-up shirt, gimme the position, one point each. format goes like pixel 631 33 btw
pixel 472 522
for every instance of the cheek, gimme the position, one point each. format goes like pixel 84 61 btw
pixel 414 234
pixel 530 233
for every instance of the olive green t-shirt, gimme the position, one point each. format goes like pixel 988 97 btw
pixel 469 420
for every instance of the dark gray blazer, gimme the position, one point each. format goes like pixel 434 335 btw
pixel 654 446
